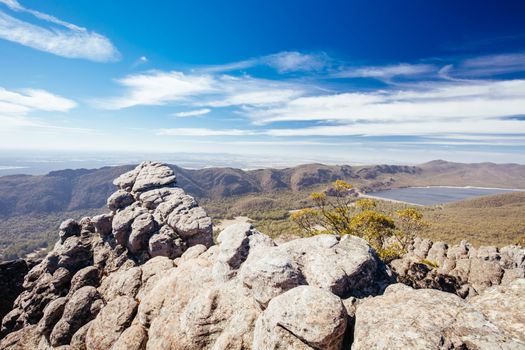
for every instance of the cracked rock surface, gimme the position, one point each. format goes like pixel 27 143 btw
pixel 147 276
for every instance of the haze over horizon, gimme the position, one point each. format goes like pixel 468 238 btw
pixel 349 82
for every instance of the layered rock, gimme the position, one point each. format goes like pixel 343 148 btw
pixel 97 259
pixel 406 318
pixel 244 293
pixel 147 276
pixel 11 280
pixel 461 269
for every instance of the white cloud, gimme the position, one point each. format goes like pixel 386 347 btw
pixel 159 88
pixel 295 61
pixel 462 129
pixel 386 72
pixel 494 64
pixel 60 38
pixel 204 132
pixel 429 107
pixel 206 90
pixel 423 128
pixel 475 100
pixel 283 62
pixel 194 113
pixel 33 99
pixel 15 106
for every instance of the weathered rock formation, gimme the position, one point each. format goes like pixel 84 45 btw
pixel 11 280
pixel 461 269
pixel 147 276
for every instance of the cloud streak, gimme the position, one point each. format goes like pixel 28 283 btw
pixel 194 113
pixel 16 106
pixel 431 104
pixel 386 72
pixel 431 101
pixel 157 88
pixel 59 37
pixel 283 62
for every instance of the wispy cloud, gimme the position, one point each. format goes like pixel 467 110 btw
pixel 283 62
pixel 15 106
pixel 158 88
pixel 59 37
pixel 430 101
pixel 194 113
pixel 294 61
pixel 386 72
pixel 204 132
pixel 207 90
pixel 493 64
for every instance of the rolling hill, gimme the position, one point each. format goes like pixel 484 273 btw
pixel 31 207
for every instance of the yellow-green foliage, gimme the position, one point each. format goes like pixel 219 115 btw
pixel 343 214
pixel 431 264
pixel 366 204
pixel 521 240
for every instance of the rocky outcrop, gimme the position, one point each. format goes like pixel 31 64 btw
pixel 406 318
pixel 11 280
pixel 148 270
pixel 461 269
pixel 147 276
pixel 96 259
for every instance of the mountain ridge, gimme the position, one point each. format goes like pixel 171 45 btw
pixel 67 190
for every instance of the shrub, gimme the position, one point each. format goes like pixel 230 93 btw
pixel 342 213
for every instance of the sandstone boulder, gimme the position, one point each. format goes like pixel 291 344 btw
pixel 68 228
pixel 406 318
pixel 77 312
pixel 304 317
pixel 109 324
pixel 119 200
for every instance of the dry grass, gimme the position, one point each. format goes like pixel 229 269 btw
pixel 489 220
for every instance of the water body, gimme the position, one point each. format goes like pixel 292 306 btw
pixel 432 195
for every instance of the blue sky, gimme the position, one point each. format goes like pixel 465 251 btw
pixel 334 81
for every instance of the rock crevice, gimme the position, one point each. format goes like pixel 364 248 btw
pixel 146 275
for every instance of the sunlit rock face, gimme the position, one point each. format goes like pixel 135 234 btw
pixel 147 275
pixel 153 216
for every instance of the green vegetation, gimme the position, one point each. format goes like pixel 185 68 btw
pixel 493 220
pixel 342 213
pixel 431 264
pixel 37 234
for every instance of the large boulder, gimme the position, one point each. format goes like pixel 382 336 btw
pixel 147 175
pixel 406 318
pixel 68 228
pixel 120 200
pixel 77 312
pixel 304 317
pixel 148 200
pixel 504 306
pixel 110 323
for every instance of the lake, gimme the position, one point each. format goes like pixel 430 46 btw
pixel 432 195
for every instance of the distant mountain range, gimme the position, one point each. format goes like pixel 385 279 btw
pixel 68 190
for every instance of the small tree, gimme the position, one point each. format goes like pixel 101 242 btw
pixel 377 229
pixel 342 213
pixel 308 220
pixel 410 223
